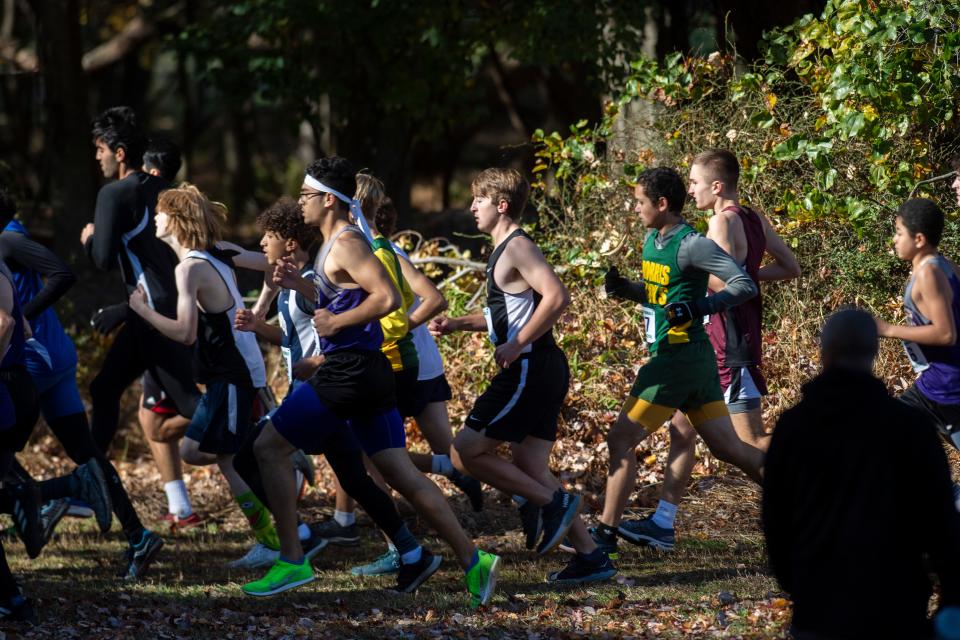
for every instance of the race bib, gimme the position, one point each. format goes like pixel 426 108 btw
pixel 915 354
pixel 490 330
pixel 649 325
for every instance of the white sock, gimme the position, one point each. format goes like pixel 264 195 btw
pixel 303 531
pixel 344 518
pixel 520 500
pixel 412 556
pixel 665 515
pixel 441 464
pixel 178 502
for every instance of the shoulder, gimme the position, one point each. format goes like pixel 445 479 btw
pixel 931 276
pixel 523 250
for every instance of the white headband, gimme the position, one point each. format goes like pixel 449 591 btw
pixel 354 204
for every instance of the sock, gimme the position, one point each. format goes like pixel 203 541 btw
pixel 665 515
pixel 405 542
pixel 392 547
pixel 474 560
pixel 520 500
pixel 300 562
pixel 606 531
pixel 345 518
pixel 441 464
pixel 303 531
pixel 259 519
pixel 178 502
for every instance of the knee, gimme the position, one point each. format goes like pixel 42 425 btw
pixel 623 437
pixel 457 459
pixel 101 388
pixel 190 453
pixel 682 437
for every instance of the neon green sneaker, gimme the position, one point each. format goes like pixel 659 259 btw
pixel 481 578
pixel 282 576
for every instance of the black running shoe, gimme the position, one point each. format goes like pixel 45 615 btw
pixel 17 609
pixel 51 514
pixel 471 487
pixel 92 489
pixel 335 533
pixel 139 556
pixel 557 518
pixel 582 568
pixel 413 575
pixel 531 520
pixel 26 516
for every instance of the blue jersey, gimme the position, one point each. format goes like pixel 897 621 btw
pixel 336 299
pixel 13 355
pixel 51 349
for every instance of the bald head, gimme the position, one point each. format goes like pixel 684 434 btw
pixel 849 339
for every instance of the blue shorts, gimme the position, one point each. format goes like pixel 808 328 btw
pixel 308 424
pixel 58 392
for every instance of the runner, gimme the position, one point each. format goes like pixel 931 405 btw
pixel 735 334
pixel 229 363
pixel 123 234
pixel 522 404
pixel 682 372
pixel 932 301
pixel 352 394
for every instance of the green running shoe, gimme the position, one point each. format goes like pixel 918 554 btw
pixel 481 578
pixel 282 576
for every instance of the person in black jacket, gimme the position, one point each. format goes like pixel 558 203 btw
pixel 844 464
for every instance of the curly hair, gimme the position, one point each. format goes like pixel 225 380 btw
pixel 192 218
pixel 663 182
pixel 386 217
pixel 285 219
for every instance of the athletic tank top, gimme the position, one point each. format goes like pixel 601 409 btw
pixel 665 283
pixel 507 313
pixel 431 364
pixel 223 353
pixel 51 349
pixel 939 367
pixel 13 355
pixel 299 339
pixel 397 342
pixel 337 299
pixel 735 333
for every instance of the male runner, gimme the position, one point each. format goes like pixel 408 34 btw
pixel 735 334
pixel 522 404
pixel 352 394
pixel 932 301
pixel 682 372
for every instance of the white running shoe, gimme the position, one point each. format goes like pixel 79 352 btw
pixel 258 557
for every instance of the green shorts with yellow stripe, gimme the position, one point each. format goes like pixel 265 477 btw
pixel 680 377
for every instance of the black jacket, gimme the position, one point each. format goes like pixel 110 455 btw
pixel 856 491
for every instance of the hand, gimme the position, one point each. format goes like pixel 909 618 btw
pixel 325 323
pixel 106 319
pixel 286 274
pixel 440 326
pixel 618 287
pixel 138 300
pixel 883 328
pixel 506 354
pixel 304 368
pixel 27 329
pixel 245 320
pixel 86 233
pixel 681 313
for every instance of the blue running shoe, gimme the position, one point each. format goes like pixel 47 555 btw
pixel 646 533
pixel 557 518
pixel 583 568
pixel 386 564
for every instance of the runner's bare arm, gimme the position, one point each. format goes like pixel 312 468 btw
pixel 244 258
pixel 933 296
pixel 443 325
pixel 784 265
pixel 529 262
pixel 432 301
pixel 351 254
pixel 184 327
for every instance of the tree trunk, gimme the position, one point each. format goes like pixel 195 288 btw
pixel 69 154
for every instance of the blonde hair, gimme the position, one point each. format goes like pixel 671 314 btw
pixel 193 219
pixel 371 193
pixel 503 184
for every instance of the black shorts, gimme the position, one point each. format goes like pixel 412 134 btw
pixel 430 391
pixel 20 407
pixel 355 384
pixel 155 399
pixel 406 392
pixel 524 399
pixel 225 416
pixel 945 416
